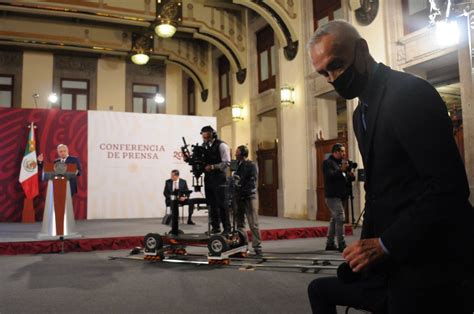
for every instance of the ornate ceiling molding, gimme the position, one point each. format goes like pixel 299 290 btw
pixel 191 56
pixel 105 26
pixel 221 24
pixel 44 32
pixel 132 11
pixel 279 19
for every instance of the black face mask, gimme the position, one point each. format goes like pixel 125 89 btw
pixel 351 83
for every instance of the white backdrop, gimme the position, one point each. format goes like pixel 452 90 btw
pixel 131 155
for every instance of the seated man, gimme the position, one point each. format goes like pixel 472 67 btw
pixel 175 183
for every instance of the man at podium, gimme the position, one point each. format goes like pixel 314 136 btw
pixel 58 214
pixel 63 156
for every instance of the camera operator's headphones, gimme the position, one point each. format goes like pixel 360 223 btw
pixel 243 150
pixel 209 129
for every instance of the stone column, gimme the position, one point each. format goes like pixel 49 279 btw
pixel 466 72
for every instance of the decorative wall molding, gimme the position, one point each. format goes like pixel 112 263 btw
pixel 10 58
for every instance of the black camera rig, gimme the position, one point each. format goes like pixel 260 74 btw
pixel 352 164
pixel 197 160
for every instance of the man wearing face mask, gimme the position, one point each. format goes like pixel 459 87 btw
pixel 215 179
pixel 412 204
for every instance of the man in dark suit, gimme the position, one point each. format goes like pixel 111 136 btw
pixel 178 186
pixel 336 178
pixel 63 156
pixel 415 252
pixel 245 196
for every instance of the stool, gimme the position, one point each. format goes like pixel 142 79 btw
pixel 182 211
pixel 199 202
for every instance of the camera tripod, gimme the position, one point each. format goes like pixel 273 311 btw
pixel 355 222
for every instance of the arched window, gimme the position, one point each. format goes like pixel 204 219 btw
pixel 266 52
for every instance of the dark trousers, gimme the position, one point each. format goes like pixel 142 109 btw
pixel 378 297
pixel 325 293
pixel 215 184
pixel 246 207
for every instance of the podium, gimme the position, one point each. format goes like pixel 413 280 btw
pixel 58 216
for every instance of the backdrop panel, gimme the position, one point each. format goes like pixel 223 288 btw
pixel 53 127
pixel 130 158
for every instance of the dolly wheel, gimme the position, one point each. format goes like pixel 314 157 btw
pixel 153 242
pixel 237 239
pixel 217 245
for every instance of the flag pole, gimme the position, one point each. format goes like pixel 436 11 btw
pixel 28 213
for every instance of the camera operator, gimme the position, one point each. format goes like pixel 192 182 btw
pixel 215 179
pixel 337 176
pixel 245 196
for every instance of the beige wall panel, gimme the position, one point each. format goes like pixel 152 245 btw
pixel 37 78
pixel 267 131
pixel 327 117
pixel 111 84
pixel 242 134
pixel 174 88
pixel 225 134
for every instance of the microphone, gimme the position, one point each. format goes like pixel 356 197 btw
pixel 346 275
pixel 35 96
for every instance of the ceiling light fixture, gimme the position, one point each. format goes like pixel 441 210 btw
pixel 168 15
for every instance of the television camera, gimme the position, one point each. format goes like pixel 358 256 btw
pixel 196 158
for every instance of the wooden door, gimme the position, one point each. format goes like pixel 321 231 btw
pixel 267 181
pixel 323 151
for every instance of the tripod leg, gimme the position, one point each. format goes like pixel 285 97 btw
pixel 358 219
pixel 351 203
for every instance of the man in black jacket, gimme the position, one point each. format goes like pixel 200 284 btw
pixel 415 252
pixel 336 174
pixel 245 201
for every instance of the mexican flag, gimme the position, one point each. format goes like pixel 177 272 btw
pixel 29 167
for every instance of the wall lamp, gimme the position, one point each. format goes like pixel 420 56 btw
pixel 287 96
pixel 159 99
pixel 53 98
pixel 237 113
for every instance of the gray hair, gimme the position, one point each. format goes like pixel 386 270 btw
pixel 344 33
pixel 61 145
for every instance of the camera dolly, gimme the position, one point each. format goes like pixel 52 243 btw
pixel 220 246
